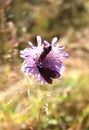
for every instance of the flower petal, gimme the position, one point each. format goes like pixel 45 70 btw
pixel 31 45
pixel 39 40
pixel 54 40
pixel 46 42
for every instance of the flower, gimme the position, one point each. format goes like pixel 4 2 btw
pixel 44 60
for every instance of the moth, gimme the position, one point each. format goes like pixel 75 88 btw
pixel 47 73
pixel 46 51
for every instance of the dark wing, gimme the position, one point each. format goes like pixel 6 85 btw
pixel 52 73
pixel 43 72
pixel 44 53
pixel 48 74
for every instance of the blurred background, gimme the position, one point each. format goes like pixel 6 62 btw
pixel 25 104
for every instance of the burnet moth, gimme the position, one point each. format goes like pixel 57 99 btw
pixel 47 73
pixel 45 52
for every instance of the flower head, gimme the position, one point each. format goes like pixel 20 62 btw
pixel 43 61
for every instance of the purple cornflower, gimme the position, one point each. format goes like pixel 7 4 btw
pixel 43 61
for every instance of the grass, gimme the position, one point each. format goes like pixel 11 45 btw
pixel 25 105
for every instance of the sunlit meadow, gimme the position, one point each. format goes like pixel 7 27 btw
pixel 26 104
